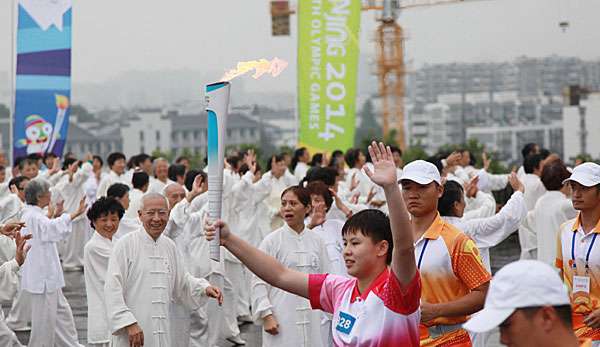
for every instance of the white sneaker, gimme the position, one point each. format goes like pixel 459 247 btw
pixel 236 340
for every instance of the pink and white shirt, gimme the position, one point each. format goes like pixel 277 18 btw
pixel 386 314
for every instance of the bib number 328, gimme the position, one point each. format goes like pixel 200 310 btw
pixel 345 323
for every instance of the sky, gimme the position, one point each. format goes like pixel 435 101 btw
pixel 114 36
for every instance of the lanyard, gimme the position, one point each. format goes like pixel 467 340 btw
pixel 589 251
pixel 421 255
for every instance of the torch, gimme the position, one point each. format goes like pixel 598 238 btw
pixel 62 103
pixel 217 102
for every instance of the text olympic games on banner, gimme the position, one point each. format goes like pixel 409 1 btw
pixel 328 50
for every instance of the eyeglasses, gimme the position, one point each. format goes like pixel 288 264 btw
pixel 151 213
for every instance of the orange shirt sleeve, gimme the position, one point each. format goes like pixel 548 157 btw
pixel 467 264
pixel 559 256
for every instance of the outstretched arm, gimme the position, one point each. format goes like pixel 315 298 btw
pixel 261 264
pixel 384 175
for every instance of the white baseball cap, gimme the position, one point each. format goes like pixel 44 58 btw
pixel 587 174
pixel 422 172
pixel 523 283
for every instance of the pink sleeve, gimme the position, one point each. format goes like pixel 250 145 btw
pixel 403 300
pixel 315 289
pixel 325 291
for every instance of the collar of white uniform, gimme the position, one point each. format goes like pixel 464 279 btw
pixel 293 232
pixel 147 236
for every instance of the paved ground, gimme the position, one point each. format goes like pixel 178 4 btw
pixel 75 292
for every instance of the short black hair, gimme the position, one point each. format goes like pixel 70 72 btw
pixel 140 158
pixel 113 157
pixel 320 188
pixel 545 153
pixel 278 158
pixel 316 159
pixel 190 176
pixel 67 162
pixel 103 207
pixel 563 312
pixel 326 175
pixel 373 224
pixel 395 149
pixel 296 158
pixel 139 179
pixel 16 181
pixel 453 192
pixel 553 175
pixel 27 161
pixel 117 190
pixel 34 156
pixel 528 149
pixel 532 162
pixel 301 193
pixel 176 170
pixel 234 160
pixel 351 156
pixel 98 158
pixel 17 161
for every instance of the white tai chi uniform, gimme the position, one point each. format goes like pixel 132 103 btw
pixel 550 212
pixel 110 179
pixel 157 186
pixel 331 233
pixel 299 325
pixel 301 170
pixel 72 193
pixel 95 256
pixel 42 276
pixel 9 283
pixel 223 322
pixel 144 278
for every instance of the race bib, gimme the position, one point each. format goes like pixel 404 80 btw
pixel 345 323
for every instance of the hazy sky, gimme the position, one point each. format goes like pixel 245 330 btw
pixel 112 36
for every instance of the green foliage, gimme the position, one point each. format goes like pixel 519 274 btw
pixel 157 153
pixel 414 152
pixel 369 129
pixel 476 150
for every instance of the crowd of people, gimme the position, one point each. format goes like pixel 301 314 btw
pixel 346 249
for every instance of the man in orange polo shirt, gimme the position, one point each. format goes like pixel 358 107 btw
pixel 578 251
pixel 454 279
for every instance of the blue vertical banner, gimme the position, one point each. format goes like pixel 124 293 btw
pixel 43 81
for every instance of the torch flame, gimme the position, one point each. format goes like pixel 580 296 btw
pixel 261 67
pixel 62 102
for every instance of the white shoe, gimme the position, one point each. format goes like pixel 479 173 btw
pixel 236 340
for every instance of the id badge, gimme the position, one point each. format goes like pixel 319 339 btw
pixel 581 284
pixel 345 323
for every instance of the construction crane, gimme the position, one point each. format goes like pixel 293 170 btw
pixel 391 69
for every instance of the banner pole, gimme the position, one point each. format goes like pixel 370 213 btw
pixel 11 115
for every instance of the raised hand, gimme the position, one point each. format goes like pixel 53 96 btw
pixel 72 169
pixel 471 187
pixel 318 215
pixel 486 161
pixel 454 158
pixel 515 183
pixel 384 169
pixel 198 187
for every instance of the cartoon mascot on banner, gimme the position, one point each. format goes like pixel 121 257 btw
pixel 37 134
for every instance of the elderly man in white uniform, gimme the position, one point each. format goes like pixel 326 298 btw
pixel 52 319
pixel 145 276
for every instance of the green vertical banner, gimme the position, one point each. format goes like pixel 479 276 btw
pixel 328 48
